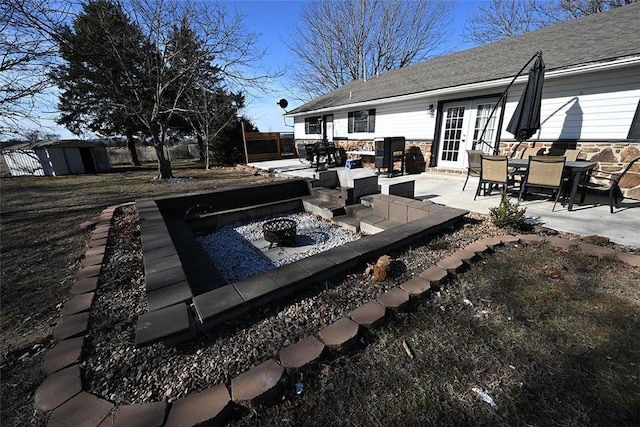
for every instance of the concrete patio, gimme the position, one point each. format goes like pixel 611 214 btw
pixel 590 218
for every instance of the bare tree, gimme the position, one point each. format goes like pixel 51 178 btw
pixel 223 41
pixel 206 108
pixel 175 46
pixel 338 41
pixel 578 8
pixel 500 19
pixel 27 52
pixel 37 136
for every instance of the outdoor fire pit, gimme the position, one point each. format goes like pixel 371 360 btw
pixel 281 231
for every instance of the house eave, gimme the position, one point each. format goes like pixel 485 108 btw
pixel 479 86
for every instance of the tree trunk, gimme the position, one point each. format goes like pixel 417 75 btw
pixel 164 164
pixel 201 148
pixel 131 145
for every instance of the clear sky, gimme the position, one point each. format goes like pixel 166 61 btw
pixel 271 21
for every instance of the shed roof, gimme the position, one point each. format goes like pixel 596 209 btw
pixel 598 38
pixel 60 143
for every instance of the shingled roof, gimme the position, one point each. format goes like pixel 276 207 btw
pixel 597 38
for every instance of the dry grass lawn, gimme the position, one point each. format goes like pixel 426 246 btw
pixel 553 337
pixel 41 248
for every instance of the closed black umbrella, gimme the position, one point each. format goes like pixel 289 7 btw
pixel 526 119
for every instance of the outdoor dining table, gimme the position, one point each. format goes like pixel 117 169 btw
pixel 575 168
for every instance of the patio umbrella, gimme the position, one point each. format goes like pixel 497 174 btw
pixel 526 119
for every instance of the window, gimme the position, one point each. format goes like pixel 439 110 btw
pixel 312 125
pixel 362 121
pixel 483 115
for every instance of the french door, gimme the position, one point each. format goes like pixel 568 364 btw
pixel 462 124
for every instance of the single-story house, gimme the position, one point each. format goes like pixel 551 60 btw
pixel 52 158
pixel 590 98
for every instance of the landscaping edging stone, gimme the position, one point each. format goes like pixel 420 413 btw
pixel 207 406
pixel 295 356
pixel 341 334
pixel 395 299
pixel 62 394
pixel 260 384
pixel 416 287
pixel 369 315
pixel 146 414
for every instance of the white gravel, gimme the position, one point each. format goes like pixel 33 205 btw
pixel 236 255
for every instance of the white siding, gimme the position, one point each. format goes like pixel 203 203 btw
pixel 23 162
pixel 58 161
pixel 590 106
pixel 74 160
pixel 298 129
pixel 409 119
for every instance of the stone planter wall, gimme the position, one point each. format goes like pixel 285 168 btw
pixel 612 158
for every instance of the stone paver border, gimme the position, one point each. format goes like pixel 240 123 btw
pixel 62 395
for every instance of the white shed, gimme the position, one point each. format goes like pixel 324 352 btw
pixel 52 158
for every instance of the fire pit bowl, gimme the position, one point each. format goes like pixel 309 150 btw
pixel 281 231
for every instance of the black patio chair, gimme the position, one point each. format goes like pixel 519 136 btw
pixel 611 185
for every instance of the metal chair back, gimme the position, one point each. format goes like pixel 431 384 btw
pixel 474 159
pixel 571 155
pixel 544 172
pixel 611 185
pixel 493 170
pixel 474 166
pixel 531 151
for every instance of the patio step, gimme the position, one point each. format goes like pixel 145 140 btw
pixel 322 208
pixel 347 222
pixel 375 224
pixel 338 196
pixel 359 211
pixel 367 200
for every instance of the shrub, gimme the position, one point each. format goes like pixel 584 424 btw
pixel 508 215
pixel 438 243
